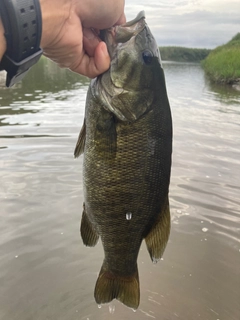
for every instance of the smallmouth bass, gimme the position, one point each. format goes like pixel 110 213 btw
pixel 126 140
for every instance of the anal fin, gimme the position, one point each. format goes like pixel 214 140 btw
pixel 88 234
pixel 157 238
pixel 79 149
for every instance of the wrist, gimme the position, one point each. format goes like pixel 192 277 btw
pixel 3 43
pixel 21 25
pixel 54 15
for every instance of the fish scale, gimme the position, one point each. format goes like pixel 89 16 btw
pixel 126 140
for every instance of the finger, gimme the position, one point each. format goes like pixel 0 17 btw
pixel 90 41
pixel 121 20
pixel 94 66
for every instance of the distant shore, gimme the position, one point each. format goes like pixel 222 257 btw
pixel 222 65
pixel 182 54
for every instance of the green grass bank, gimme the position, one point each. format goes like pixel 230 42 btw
pixel 182 54
pixel 222 65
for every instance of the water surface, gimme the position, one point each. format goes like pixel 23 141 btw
pixel 47 273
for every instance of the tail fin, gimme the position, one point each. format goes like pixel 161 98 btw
pixel 124 289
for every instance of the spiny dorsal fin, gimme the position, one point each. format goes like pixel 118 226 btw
pixel 79 149
pixel 157 238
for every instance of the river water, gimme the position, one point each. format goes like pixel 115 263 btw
pixel 47 273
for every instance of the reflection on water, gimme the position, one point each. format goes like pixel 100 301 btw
pixel 47 273
pixel 227 94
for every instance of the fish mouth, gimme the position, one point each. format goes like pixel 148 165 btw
pixel 122 33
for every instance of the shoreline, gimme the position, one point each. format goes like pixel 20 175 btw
pixel 236 84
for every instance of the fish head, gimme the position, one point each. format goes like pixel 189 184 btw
pixel 129 87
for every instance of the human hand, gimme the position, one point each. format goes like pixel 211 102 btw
pixel 69 34
pixel 3 43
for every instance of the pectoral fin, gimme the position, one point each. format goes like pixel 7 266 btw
pixel 79 149
pixel 88 233
pixel 157 238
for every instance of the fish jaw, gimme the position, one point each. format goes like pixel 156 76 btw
pixel 127 89
pixel 122 33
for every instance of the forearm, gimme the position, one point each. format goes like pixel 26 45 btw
pixel 3 44
pixel 67 33
pixel 53 19
pixel 50 16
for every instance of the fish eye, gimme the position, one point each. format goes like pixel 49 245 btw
pixel 147 56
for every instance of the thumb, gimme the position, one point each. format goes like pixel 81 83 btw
pixel 94 66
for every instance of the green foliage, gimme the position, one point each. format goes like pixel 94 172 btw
pixel 223 63
pixel 182 54
pixel 235 38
